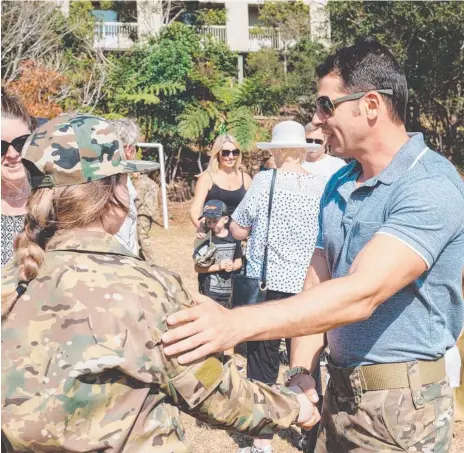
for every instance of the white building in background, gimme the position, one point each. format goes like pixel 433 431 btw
pixel 242 17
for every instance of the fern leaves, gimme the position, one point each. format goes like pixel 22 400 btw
pixel 193 122
pixel 151 95
pixel 243 127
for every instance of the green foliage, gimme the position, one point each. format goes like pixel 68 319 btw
pixel 277 13
pixel 428 38
pixel 265 61
pixel 243 127
pixel 219 54
pixel 81 20
pixel 196 119
pixel 179 88
pixel 303 59
pixel 290 17
pixel 262 95
pixel 283 77
pixel 211 16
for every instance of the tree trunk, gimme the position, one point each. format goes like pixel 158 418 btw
pixel 174 171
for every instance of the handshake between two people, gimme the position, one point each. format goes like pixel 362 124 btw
pixel 207 328
pixel 305 388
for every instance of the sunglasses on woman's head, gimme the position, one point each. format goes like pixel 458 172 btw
pixel 228 152
pixel 317 141
pixel 327 106
pixel 17 144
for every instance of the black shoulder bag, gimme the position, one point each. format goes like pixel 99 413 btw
pixel 253 290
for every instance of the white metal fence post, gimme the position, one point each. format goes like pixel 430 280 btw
pixel 164 196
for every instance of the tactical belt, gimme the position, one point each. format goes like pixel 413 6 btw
pixel 387 375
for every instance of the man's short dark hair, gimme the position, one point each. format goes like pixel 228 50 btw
pixel 368 65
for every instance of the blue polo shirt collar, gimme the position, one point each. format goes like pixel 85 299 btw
pixel 402 161
pixel 351 174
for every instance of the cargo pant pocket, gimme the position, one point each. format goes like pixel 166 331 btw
pixel 410 426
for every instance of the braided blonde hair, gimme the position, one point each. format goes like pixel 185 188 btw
pixel 50 210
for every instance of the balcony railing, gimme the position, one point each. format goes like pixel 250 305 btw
pixel 219 32
pixel 115 35
pixel 123 35
pixel 265 38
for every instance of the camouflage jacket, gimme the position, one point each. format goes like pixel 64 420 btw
pixel 147 196
pixel 83 367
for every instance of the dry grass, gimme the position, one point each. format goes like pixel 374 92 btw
pixel 174 249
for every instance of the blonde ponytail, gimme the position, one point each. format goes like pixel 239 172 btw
pixel 30 244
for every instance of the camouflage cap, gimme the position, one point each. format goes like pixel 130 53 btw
pixel 204 251
pixel 75 149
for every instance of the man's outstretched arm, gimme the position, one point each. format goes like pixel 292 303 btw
pixel 375 275
pixel 306 350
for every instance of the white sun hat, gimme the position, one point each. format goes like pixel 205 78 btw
pixel 287 134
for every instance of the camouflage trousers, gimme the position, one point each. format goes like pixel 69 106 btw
pixel 144 224
pixel 387 420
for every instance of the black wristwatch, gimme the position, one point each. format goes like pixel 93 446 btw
pixel 295 371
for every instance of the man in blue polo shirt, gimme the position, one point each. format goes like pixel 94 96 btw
pixel 384 281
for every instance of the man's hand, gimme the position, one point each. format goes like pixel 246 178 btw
pixel 227 265
pixel 309 414
pixel 206 328
pixel 307 419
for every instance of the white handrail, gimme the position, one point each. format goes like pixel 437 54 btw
pixel 218 31
pixel 164 197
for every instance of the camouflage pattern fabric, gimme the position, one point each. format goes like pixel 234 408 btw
pixel 147 201
pixel 147 205
pixel 83 367
pixel 75 149
pixel 147 249
pixel 204 251
pixel 385 421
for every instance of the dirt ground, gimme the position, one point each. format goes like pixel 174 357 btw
pixel 174 249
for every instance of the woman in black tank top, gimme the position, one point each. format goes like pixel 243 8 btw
pixel 222 180
pixel 231 198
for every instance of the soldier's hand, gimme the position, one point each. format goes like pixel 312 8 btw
pixel 204 329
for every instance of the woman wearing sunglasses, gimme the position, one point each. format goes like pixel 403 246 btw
pixel 222 180
pixel 16 128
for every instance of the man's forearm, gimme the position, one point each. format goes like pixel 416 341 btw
pixel 326 306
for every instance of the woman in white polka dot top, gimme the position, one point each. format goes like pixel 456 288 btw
pixel 293 231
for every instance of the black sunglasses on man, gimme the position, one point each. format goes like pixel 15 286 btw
pixel 327 106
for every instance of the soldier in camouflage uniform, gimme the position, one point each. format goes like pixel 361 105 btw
pixel 147 203
pixel 83 367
